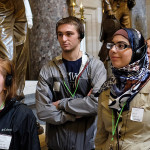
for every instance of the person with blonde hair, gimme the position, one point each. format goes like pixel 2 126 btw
pixel 17 122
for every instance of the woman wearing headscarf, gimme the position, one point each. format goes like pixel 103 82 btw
pixel 148 49
pixel 124 101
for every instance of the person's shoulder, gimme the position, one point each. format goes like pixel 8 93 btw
pixel 146 88
pixel 52 62
pixel 104 97
pixel 95 63
pixel 23 117
pixel 23 109
pixel 92 58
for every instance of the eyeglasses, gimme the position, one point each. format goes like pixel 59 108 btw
pixel 118 46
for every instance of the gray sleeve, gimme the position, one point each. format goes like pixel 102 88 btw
pixel 86 106
pixel 46 111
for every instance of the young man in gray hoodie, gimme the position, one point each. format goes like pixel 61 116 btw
pixel 65 91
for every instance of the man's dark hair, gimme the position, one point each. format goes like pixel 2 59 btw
pixel 72 21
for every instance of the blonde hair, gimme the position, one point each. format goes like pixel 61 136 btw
pixel 148 39
pixel 7 69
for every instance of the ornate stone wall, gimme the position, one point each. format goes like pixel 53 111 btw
pixel 43 43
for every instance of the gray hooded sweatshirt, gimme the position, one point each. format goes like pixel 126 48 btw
pixel 72 125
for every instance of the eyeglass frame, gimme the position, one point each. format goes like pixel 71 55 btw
pixel 114 44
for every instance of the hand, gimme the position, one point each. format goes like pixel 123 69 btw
pixel 56 103
pixel 90 92
pixel 110 13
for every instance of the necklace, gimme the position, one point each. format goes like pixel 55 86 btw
pixel 2 106
pixel 69 89
pixel 114 127
pixel 125 129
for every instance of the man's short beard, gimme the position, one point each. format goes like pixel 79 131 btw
pixel 68 51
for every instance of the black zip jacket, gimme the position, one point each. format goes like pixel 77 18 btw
pixel 17 120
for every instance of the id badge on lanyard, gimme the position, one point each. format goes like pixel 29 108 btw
pixel 5 141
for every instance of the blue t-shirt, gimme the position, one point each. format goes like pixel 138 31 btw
pixel 72 68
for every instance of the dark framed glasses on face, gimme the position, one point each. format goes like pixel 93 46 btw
pixel 118 46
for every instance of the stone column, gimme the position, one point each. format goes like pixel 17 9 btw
pixel 148 17
pixel 138 17
pixel 43 44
